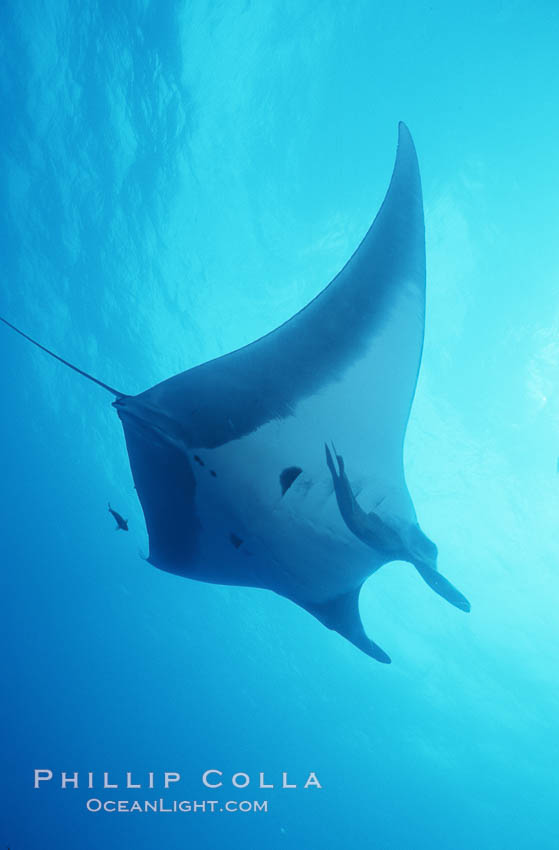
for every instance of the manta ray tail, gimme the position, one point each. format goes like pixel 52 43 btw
pixel 341 614
pixel 112 390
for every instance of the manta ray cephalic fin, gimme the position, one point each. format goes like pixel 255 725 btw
pixel 442 586
pixel 341 614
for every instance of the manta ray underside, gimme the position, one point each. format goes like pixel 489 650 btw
pixel 280 465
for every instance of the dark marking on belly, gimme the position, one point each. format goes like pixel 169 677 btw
pixel 235 540
pixel 288 476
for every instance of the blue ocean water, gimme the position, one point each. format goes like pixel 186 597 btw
pixel 177 179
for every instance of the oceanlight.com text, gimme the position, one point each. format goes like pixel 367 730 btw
pixel 177 806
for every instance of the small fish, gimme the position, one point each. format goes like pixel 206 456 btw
pixel 120 522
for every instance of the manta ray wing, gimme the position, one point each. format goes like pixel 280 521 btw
pixel 378 297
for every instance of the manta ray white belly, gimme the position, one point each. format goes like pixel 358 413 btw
pixel 297 542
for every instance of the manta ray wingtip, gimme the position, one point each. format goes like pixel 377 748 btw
pixel 405 138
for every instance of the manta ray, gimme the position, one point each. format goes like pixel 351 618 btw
pixel 280 465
